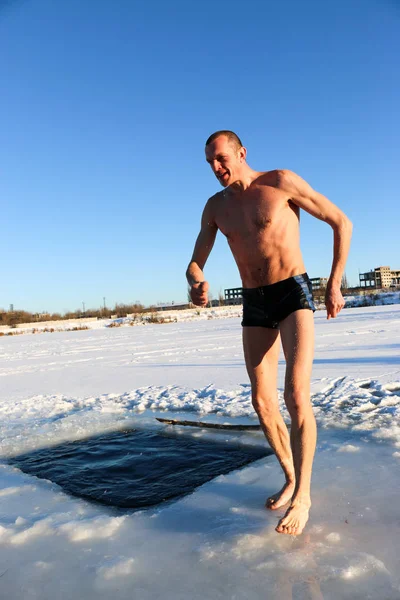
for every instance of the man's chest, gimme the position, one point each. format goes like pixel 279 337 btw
pixel 250 213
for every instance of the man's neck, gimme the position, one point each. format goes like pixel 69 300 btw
pixel 245 178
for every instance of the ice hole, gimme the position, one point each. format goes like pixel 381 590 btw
pixel 134 469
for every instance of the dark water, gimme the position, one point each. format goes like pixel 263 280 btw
pixel 136 468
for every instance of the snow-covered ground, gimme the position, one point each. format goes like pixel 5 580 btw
pixel 373 299
pixel 219 542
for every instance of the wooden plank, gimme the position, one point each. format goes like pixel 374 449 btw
pixel 209 425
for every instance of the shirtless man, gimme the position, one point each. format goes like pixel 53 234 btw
pixel 259 214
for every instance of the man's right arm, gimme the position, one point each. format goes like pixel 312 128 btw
pixel 204 243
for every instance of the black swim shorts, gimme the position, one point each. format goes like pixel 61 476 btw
pixel 268 305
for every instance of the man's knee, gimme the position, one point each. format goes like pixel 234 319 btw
pixel 297 402
pixel 265 404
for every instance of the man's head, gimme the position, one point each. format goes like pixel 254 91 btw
pixel 226 156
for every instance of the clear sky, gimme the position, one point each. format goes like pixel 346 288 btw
pixel 105 108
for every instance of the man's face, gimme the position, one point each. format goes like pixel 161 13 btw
pixel 224 159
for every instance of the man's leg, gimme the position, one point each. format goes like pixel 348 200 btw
pixel 261 351
pixel 297 334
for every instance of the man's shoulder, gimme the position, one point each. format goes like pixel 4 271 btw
pixel 215 199
pixel 277 177
pixel 217 196
pixel 211 206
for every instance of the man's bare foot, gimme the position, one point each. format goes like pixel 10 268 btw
pixel 295 519
pixel 282 497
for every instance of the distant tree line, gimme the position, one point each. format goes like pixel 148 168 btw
pixel 15 317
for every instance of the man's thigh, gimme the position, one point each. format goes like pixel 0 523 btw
pixel 261 351
pixel 297 334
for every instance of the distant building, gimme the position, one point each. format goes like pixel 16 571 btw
pixel 319 282
pixel 233 296
pixel 380 278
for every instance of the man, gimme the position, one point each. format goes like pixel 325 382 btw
pixel 258 212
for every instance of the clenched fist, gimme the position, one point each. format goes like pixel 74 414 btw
pixel 198 293
pixel 334 301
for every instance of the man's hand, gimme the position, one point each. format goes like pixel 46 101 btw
pixel 198 293
pixel 334 301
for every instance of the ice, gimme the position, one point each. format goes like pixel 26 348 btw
pixel 219 542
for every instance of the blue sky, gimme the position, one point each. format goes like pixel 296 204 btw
pixel 105 108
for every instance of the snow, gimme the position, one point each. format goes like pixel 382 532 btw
pixel 218 542
pixel 373 298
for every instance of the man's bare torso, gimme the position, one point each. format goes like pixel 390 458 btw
pixel 261 225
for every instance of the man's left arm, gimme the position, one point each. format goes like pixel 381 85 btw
pixel 304 196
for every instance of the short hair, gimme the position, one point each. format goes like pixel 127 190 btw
pixel 232 138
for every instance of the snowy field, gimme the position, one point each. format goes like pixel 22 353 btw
pixel 219 542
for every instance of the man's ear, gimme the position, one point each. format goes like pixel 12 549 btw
pixel 242 154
